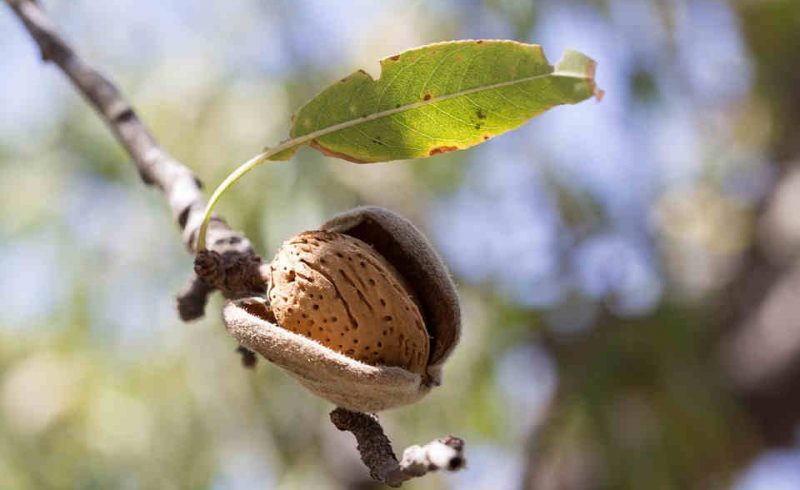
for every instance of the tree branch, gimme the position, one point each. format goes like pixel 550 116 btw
pixel 376 450
pixel 229 250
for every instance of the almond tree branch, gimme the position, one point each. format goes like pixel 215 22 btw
pixel 229 250
pixel 376 450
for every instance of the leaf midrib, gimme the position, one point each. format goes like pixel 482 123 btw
pixel 408 107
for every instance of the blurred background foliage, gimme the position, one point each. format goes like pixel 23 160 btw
pixel 628 269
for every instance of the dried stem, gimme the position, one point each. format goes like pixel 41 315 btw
pixel 376 450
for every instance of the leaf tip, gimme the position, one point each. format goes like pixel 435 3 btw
pixel 591 70
pixel 598 93
pixel 576 64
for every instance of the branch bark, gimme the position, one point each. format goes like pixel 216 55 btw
pixel 229 250
pixel 376 451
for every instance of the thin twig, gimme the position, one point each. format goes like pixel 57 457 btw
pixel 376 450
pixel 157 168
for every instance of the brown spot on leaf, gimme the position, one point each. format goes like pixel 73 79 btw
pixel 480 114
pixel 427 97
pixel 441 149
pixel 343 80
pixel 395 57
pixel 362 72
pixel 486 137
pixel 332 153
pixel 479 41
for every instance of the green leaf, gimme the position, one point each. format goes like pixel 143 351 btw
pixel 438 98
pixel 430 100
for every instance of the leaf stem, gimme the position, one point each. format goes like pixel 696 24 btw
pixel 230 180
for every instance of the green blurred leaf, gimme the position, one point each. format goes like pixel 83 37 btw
pixel 439 98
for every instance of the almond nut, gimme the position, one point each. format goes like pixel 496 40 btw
pixel 338 291
pixel 323 269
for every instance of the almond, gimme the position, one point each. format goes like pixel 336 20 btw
pixel 362 313
pixel 338 291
